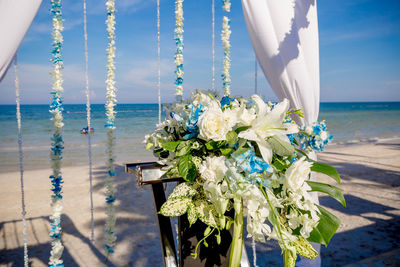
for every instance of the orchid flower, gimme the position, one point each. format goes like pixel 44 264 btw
pixel 269 122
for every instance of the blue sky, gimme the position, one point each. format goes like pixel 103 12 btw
pixel 359 52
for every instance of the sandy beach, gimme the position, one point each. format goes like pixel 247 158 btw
pixel 369 233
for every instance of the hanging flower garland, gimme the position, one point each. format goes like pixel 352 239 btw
pixel 227 5
pixel 110 113
pixel 179 47
pixel 225 35
pixel 56 109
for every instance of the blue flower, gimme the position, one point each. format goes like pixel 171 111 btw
pixel 250 163
pixel 226 101
pixel 191 124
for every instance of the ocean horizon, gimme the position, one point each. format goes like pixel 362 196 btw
pixel 347 122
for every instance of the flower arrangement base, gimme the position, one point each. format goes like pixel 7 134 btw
pixel 213 255
pixel 189 236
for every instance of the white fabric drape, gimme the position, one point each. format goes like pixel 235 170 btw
pixel 284 34
pixel 16 17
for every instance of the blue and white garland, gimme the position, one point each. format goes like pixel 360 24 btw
pixel 56 109
pixel 179 47
pixel 110 113
pixel 314 137
pixel 225 35
pixel 227 5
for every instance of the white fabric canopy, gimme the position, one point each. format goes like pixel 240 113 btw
pixel 16 17
pixel 284 34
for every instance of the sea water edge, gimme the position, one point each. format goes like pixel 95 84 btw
pixel 348 122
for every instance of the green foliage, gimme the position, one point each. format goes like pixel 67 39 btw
pixel 331 190
pixel 326 228
pixel 241 129
pixel 175 207
pixel 231 137
pixel 183 190
pixel 304 248
pixel 280 147
pixel 187 169
pixel 171 146
pixel 327 170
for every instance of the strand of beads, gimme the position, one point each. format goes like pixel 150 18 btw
pixel 110 113
pixel 56 109
pixel 225 35
pixel 21 162
pixel 88 119
pixel 179 48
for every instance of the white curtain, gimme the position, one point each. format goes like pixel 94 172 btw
pixel 16 17
pixel 284 35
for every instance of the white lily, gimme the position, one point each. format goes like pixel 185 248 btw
pixel 269 123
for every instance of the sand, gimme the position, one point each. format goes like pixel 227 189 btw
pixel 369 234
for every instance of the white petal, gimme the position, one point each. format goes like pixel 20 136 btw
pixel 249 135
pixel 265 149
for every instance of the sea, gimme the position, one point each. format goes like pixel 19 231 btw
pixel 347 122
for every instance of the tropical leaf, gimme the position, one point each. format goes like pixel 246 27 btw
pixel 187 169
pixel 327 170
pixel 331 190
pixel 326 228
pixel 171 146
pixel 175 207
pixel 192 214
pixel 183 190
pixel 280 147
pixel 206 212
pixel 231 137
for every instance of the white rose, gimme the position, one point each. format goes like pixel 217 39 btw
pixel 213 169
pixel 297 174
pixel 212 125
pixel 230 116
pixel 309 130
pixel 324 136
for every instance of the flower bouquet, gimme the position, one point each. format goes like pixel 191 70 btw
pixel 246 155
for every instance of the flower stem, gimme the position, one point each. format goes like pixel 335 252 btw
pixel 237 239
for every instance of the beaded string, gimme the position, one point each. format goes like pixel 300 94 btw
pixel 159 61
pixel 255 75
pixel 213 46
pixel 253 246
pixel 21 161
pixel 225 35
pixel 110 113
pixel 56 109
pixel 88 116
pixel 179 48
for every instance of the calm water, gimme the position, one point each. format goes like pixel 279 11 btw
pixel 346 121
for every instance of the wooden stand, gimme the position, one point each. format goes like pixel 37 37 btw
pixel 213 255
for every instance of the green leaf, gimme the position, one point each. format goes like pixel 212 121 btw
pixel 192 214
pixel 175 207
pixel 278 164
pixel 280 147
pixel 241 150
pixel 183 190
pixel 331 190
pixel 231 137
pixel 327 170
pixel 186 168
pixel 171 146
pixel 326 228
pixel 211 145
pixel 183 148
pixel 226 151
pixel 206 212
pixel 241 129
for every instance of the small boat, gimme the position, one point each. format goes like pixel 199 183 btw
pixel 86 130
